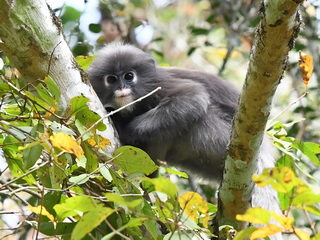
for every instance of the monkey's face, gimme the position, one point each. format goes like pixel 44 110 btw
pixel 121 75
pixel 122 86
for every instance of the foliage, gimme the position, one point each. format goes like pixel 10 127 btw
pixel 75 190
pixel 78 191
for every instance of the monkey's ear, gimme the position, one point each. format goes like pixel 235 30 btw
pixel 151 61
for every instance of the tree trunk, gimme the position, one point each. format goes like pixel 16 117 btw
pixel 32 39
pixel 274 38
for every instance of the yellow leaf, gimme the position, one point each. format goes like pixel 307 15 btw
pixel 47 114
pixel 255 215
pixel 265 231
pixel 42 211
pixel 66 143
pixel 281 179
pixel 103 142
pixel 301 234
pixel 306 66
pixel 194 206
pixel 285 222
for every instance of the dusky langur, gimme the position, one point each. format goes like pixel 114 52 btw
pixel 187 123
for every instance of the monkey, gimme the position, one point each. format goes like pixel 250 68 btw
pixel 187 123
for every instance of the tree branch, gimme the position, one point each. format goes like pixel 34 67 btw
pixel 32 39
pixel 274 38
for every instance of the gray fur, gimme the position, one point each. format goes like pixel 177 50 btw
pixel 187 123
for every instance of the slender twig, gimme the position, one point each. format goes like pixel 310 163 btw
pixel 34 102
pixel 18 188
pixel 118 110
pixel 26 174
pixel 115 230
pixel 9 212
pixel 312 223
pixel 286 109
pixel 51 55
pixel 16 128
pixel 225 60
pixel 11 133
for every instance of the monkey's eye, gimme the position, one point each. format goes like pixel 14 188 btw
pixel 129 76
pixel 110 79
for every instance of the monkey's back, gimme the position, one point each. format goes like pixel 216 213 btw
pixel 202 146
pixel 222 93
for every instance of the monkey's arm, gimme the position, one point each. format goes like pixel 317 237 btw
pixel 184 102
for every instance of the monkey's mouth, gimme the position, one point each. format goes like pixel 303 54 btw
pixel 123 100
pixel 123 95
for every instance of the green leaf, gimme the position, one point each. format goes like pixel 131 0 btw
pixel 40 104
pixel 92 158
pixel 245 233
pixel 72 206
pixel 32 154
pixel 15 162
pixel 132 223
pixel 46 96
pixel 306 198
pixel 90 221
pixel 4 88
pixel 50 200
pixel 80 179
pixel 53 88
pixel 284 200
pixel 85 61
pixel 199 31
pixel 308 149
pixel 53 229
pixel 191 50
pixel 70 14
pixel 56 176
pixel 58 127
pixel 130 202
pixel 285 160
pixel 33 150
pixel 164 185
pixel 122 185
pixel 136 178
pixel 150 224
pixel 313 147
pixel 105 172
pixel 312 209
pixel 176 172
pixel 78 104
pixel 84 115
pixel 96 28
pixel 131 159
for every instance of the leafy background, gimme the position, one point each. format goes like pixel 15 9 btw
pixel 76 191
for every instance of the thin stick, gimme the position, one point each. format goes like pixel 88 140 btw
pixel 299 98
pixel 118 110
pixel 27 173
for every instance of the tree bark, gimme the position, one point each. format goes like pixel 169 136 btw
pixel 274 38
pixel 31 37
